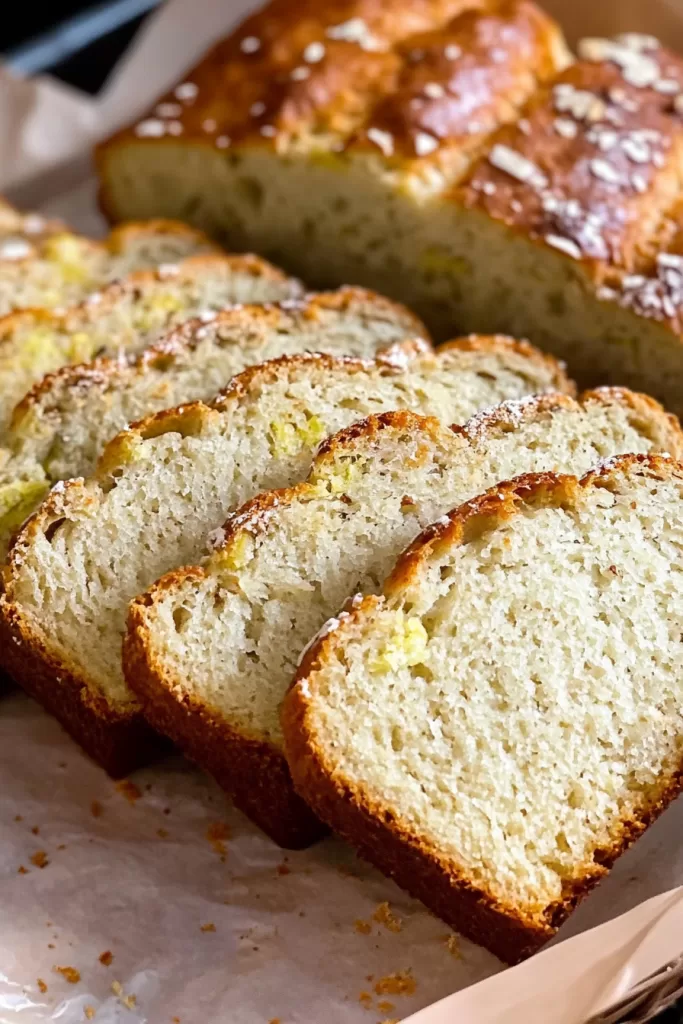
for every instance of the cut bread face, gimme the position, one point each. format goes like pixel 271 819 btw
pixel 498 726
pixel 128 315
pixel 211 651
pixel 456 158
pixel 163 485
pixel 48 268
pixel 59 430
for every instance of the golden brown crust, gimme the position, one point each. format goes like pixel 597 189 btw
pixel 592 170
pixel 376 830
pixel 397 82
pixel 121 236
pixel 208 737
pixel 251 320
pixel 252 771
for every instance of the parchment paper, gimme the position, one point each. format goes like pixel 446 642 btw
pixel 160 902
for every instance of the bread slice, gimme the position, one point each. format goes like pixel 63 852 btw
pixel 498 726
pixel 451 156
pixel 211 651
pixel 161 486
pixel 60 268
pixel 128 315
pixel 23 229
pixel 59 430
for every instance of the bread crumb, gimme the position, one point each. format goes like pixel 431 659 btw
pixel 129 790
pixel 274 1020
pixel 365 999
pixel 162 833
pixel 42 987
pixel 283 869
pixel 35 830
pixel 209 927
pixel 217 833
pixel 383 915
pixel 106 957
pixel 18 817
pixel 69 974
pixel 39 859
pixel 401 983
pixel 96 809
pixel 175 1020
pixel 89 1012
pixel 385 1006
pixel 362 927
pixel 128 1001
pixel 21 870
pixel 453 947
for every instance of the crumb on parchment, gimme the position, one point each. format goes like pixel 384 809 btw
pixel 163 833
pixel 21 870
pixel 362 927
pixel 383 915
pixel 127 1001
pixel 42 987
pixel 284 869
pixel 106 957
pixel 39 859
pixel 384 1006
pixel 401 983
pixel 365 999
pixel 69 974
pixel 89 1012
pixel 217 833
pixel 129 790
pixel 35 830
pixel 453 947
pixel 208 927
pixel 96 809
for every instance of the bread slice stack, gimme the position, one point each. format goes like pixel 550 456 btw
pixel 43 264
pixel 128 315
pixel 164 484
pixel 60 428
pixel 504 719
pixel 212 650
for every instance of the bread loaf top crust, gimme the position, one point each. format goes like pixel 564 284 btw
pixel 416 87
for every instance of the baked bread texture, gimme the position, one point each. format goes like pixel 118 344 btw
pixel 498 726
pixel 128 315
pixel 448 154
pixel 59 429
pixel 48 267
pixel 164 484
pixel 212 650
pixel 23 229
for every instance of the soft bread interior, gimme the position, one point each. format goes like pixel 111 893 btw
pixel 232 637
pixel 162 487
pixel 127 316
pixel 60 428
pixel 514 702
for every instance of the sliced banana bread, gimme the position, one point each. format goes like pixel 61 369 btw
pixel 59 430
pixel 211 651
pixel 161 486
pixel 59 268
pixel 128 315
pixel 505 720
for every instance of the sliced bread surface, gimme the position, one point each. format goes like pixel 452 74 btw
pixel 128 315
pixel 498 726
pixel 163 485
pixel 59 429
pixel 60 268
pixel 211 651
